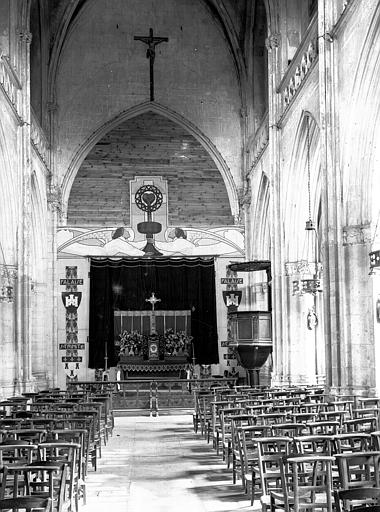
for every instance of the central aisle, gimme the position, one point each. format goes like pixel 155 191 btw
pixel 160 465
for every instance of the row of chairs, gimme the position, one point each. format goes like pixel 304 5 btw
pixel 278 441
pixel 48 441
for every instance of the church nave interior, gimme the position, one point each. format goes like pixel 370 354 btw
pixel 188 196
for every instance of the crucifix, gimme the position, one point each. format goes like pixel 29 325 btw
pixel 153 300
pixel 152 42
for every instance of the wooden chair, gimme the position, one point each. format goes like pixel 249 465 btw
pixel 32 436
pixel 226 416
pixel 366 424
pixel 271 452
pixel 203 415
pixel 303 417
pixel 78 436
pixel 26 503
pixel 271 418
pixel 314 445
pixel 368 402
pixel 68 454
pixel 288 429
pixel 352 442
pixel 358 469
pixel 237 423
pixel 324 427
pixel 247 438
pixel 339 416
pixel 361 499
pixel 367 412
pixel 49 479
pixel 43 480
pixel 307 484
pixel 17 452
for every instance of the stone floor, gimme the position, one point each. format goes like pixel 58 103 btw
pixel 160 465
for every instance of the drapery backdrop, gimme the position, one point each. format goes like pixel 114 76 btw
pixel 125 284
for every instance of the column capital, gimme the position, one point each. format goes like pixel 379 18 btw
pixel 359 234
pixel 25 36
pixel 273 41
pixel 54 198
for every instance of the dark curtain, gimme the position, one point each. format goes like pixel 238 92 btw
pixel 125 284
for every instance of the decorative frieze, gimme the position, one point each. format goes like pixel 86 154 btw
pixel 300 72
pixel 357 235
pixel 302 267
pixel 11 87
pixel 39 140
pixel 54 198
pixel 260 141
pixel 300 67
pixel 8 277
pixel 8 272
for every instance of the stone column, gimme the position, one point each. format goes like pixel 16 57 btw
pixel 23 347
pixel 331 185
pixel 55 210
pixel 358 353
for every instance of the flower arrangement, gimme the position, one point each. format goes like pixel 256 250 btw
pixel 132 343
pixel 177 343
pixel 171 344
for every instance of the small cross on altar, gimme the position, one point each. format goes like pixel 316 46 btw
pixel 153 300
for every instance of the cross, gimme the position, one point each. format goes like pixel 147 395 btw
pixel 153 300
pixel 152 42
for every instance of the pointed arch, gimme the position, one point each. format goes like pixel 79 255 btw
pixel 358 161
pixel 8 201
pixel 296 197
pixel 135 111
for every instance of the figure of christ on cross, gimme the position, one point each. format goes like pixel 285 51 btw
pixel 152 42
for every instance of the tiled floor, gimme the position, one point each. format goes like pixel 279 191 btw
pixel 160 465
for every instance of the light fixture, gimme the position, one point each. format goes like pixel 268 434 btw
pixel 6 287
pixel 311 282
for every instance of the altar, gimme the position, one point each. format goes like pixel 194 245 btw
pixel 153 343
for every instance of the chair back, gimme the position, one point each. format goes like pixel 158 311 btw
pixel 358 469
pixel 311 482
pixel 314 445
pixel 271 452
pixel 352 442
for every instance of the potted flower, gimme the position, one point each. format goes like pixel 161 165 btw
pixel 131 345
pixel 177 345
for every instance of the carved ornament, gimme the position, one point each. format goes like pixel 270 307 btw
pixel 357 235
